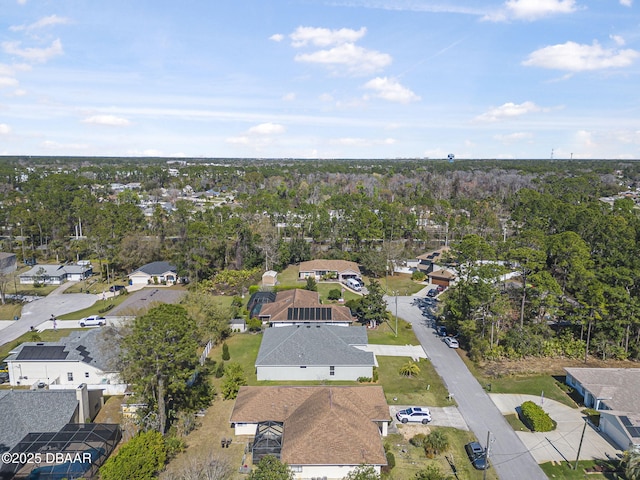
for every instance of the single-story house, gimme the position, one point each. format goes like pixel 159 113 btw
pixel 442 277
pixel 154 273
pixel 55 274
pixel 319 431
pixel 427 261
pixel 615 392
pixel 85 356
pixel 8 263
pixel 270 278
pixel 314 352
pixel 339 270
pixel 25 411
pixel 303 307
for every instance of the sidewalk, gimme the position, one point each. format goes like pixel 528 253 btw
pixel 560 445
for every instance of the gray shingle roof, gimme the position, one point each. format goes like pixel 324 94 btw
pixel 156 268
pixel 317 345
pixel 25 411
pixel 93 347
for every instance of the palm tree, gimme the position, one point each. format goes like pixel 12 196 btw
pixel 632 464
pixel 435 443
pixel 409 369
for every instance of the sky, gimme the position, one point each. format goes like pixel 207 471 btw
pixel 515 79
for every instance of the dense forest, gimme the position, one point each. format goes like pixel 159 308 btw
pixel 570 228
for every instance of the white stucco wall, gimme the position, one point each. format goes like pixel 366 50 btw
pixel 52 372
pixel 331 472
pixel 245 428
pixel 313 373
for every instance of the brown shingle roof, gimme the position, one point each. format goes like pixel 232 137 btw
pixel 322 425
pixel 278 311
pixel 328 265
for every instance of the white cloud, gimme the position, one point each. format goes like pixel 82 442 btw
pixel 531 9
pixel 109 120
pixel 4 129
pixel 509 110
pixel 42 23
pixel 391 90
pixel 51 145
pixel 267 129
pixel 626 3
pixel 289 97
pixel 241 140
pixel 276 37
pixel 326 97
pixel 617 39
pixel 8 82
pixel 324 37
pixel 34 54
pixel 575 57
pixel 352 58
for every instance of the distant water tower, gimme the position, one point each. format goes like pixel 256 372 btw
pixel 451 157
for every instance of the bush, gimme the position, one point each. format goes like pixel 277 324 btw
pixel 141 458
pixel 225 352
pixel 107 308
pixel 375 375
pixel 254 325
pixel 418 440
pixel 219 370
pixel 418 276
pixel 364 379
pixel 535 418
pixel 334 294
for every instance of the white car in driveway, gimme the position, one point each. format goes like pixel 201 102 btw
pixel 414 414
pixel 93 321
pixel 451 342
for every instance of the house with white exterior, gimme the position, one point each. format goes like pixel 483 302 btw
pixel 301 307
pixel 314 352
pixel 339 270
pixel 154 273
pixel 615 393
pixel 55 274
pixel 320 432
pixel 82 357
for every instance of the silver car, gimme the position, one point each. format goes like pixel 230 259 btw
pixel 93 321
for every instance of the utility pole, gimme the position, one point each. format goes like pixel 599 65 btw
pixel 396 292
pixel 575 466
pixel 486 456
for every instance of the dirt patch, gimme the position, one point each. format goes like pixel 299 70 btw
pixel 546 366
pixel 409 431
pixel 111 412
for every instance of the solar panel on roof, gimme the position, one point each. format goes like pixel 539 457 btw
pixel 309 313
pixel 42 352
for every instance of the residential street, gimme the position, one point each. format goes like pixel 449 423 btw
pixel 508 454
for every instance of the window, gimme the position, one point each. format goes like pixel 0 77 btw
pixel 296 468
pixel 86 374
pixel 303 366
pixel 70 376
pixel 332 370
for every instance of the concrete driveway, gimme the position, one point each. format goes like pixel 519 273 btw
pixel 415 352
pixel 440 416
pixel 560 445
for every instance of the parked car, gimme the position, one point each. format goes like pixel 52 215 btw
pixel 440 288
pixel 441 330
pixel 476 455
pixel 451 342
pixel 414 414
pixel 93 321
pixel 432 293
pixel 4 377
pixel 116 288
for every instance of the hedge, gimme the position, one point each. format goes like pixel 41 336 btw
pixel 535 418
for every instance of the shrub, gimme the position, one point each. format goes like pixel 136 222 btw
pixel 418 276
pixel 535 418
pixel 391 461
pixel 225 352
pixel 141 458
pixel 436 442
pixel 418 440
pixel 334 294
pixel 364 379
pixel 254 325
pixel 219 370
pixel 375 375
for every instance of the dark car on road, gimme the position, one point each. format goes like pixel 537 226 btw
pixel 476 455
pixel 441 330
pixel 116 288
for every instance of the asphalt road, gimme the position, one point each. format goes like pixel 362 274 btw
pixel 40 311
pixel 508 455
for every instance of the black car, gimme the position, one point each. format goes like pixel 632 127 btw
pixel 4 377
pixel 433 292
pixel 441 330
pixel 116 288
pixel 477 455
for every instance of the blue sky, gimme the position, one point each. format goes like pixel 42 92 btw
pixel 321 78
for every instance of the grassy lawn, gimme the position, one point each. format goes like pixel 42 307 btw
pixel 385 335
pixel 523 384
pixel 564 471
pixel 401 283
pixel 516 424
pixel 410 459
pixel 94 309
pixel 10 310
pixel 426 388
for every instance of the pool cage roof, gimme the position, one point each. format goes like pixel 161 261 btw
pixel 76 451
pixel 268 440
